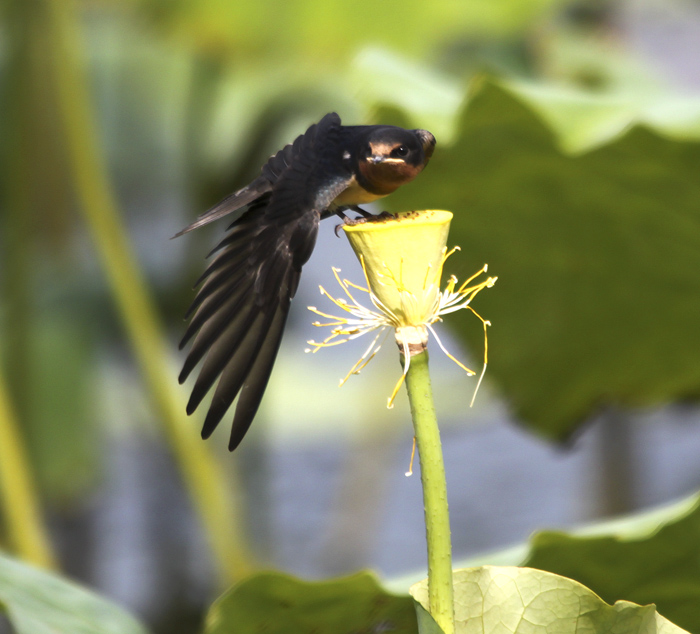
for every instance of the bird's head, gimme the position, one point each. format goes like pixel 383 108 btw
pixel 390 157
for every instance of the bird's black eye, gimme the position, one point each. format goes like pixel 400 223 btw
pixel 401 151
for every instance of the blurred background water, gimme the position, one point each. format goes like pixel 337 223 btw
pixel 189 98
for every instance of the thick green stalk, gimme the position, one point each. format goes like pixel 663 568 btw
pixel 432 469
pixel 202 474
pixel 18 499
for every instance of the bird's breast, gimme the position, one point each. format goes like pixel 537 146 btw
pixel 355 194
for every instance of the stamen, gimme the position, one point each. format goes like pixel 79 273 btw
pixel 402 378
pixel 357 286
pixel 486 353
pixel 447 253
pixel 338 302
pixel 409 473
pixel 343 286
pixel 410 308
pixel 449 289
pixel 449 356
pixel 466 283
pixel 427 272
pixel 361 363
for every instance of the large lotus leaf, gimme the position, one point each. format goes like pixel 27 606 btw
pixel 655 560
pixel 597 253
pixel 647 557
pixel 525 601
pixel 277 603
pixel 39 602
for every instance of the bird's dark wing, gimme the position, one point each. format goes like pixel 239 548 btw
pixel 239 313
pixel 277 165
pixel 235 202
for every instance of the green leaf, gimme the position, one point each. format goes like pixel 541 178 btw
pixel 324 33
pixel 523 600
pixel 647 557
pixel 405 92
pixel 653 558
pixel 274 603
pixel 582 121
pixel 426 623
pixel 39 602
pixel 597 253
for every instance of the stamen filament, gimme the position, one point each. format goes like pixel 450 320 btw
pixel 409 473
pixel 402 378
pixel 450 356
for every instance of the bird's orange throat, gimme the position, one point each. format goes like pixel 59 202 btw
pixel 387 176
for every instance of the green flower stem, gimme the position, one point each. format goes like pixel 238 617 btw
pixel 202 473
pixel 432 468
pixel 18 500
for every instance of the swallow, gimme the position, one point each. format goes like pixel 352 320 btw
pixel 243 297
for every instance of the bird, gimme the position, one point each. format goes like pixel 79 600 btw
pixel 237 317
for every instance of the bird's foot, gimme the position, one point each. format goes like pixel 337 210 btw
pixel 363 212
pixel 366 217
pixel 350 222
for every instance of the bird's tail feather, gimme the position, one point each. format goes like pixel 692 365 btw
pixel 235 202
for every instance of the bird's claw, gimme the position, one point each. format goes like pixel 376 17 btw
pixel 351 222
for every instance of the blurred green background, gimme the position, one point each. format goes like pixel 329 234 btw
pixel 568 149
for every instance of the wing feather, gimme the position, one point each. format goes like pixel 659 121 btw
pixel 256 381
pixel 231 362
pixel 241 307
pixel 234 202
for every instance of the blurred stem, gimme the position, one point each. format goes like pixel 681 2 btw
pixel 203 475
pixel 18 167
pixel 432 472
pixel 615 468
pixel 18 500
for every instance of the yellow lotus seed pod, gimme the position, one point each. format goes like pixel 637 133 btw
pixel 403 258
